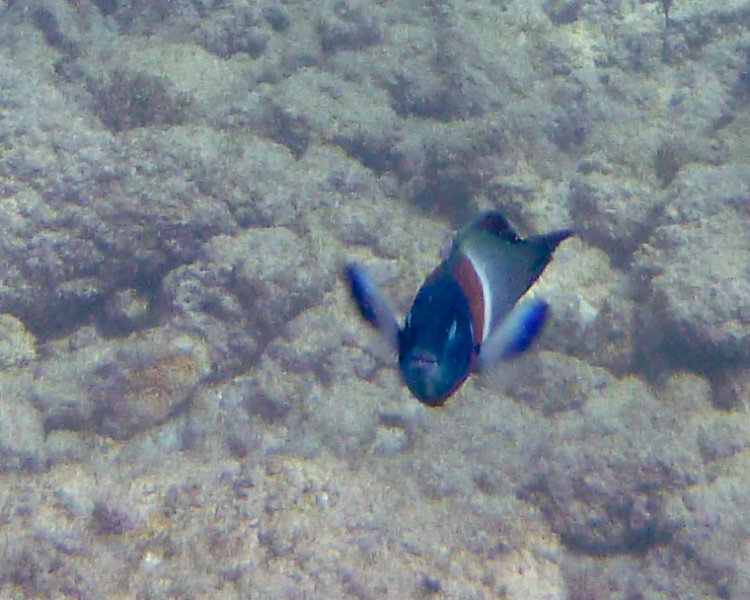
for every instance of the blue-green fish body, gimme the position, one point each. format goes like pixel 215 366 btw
pixel 466 315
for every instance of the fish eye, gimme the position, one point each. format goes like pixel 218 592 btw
pixel 452 330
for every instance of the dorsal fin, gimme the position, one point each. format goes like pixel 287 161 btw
pixel 495 223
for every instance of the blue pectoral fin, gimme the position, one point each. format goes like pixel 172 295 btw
pixel 372 303
pixel 515 334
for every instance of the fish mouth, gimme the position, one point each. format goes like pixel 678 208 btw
pixel 423 359
pixel 424 376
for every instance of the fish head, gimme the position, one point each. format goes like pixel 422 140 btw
pixel 436 345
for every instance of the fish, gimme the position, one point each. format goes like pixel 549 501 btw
pixel 466 317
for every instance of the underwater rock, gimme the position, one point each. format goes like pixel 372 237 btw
pixel 263 185
pixel 277 17
pixel 723 437
pixel 713 536
pixel 348 25
pixel 254 283
pixel 244 290
pixel 144 17
pixel 551 382
pixel 370 129
pixel 259 518
pixel 696 265
pixel 122 387
pixel 268 393
pixel 126 100
pixel 611 468
pixel 21 426
pixel 124 312
pixel 611 340
pixel 276 274
pixel 17 345
pixel 732 389
pixel 145 383
pixel 85 216
pixel 233 28
pixel 594 319
pixel 307 107
pixel 562 12
pixel 615 216
pixel 448 71
pixel 223 29
pixel 687 393
pixel 321 345
pixel 345 416
pixel 109 519
pixel 218 416
pixel 199 298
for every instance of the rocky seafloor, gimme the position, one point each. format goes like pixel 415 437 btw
pixel 190 407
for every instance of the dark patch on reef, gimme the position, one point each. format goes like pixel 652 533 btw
pixel 452 173
pixel 740 91
pixel 562 12
pixel 221 28
pixel 276 17
pixel 109 520
pixel 232 30
pixel 293 131
pixel 629 524
pixel 126 100
pixel 267 407
pixel 107 7
pixel 375 154
pixel 46 22
pixel 348 26
pixel 667 163
pixel 77 305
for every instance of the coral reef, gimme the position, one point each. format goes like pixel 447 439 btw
pixel 190 405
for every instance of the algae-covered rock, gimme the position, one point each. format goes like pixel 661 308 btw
pixel 85 216
pixel 348 25
pixel 21 426
pixel 129 100
pixel 732 389
pixel 189 525
pixel 123 387
pixel 594 318
pixel 145 383
pixel 714 535
pixel 17 345
pixel 552 383
pixel 615 215
pixel 244 289
pixel 610 470
pixel 697 264
pixel 203 410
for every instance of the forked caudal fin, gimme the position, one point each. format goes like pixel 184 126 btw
pixel 551 240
